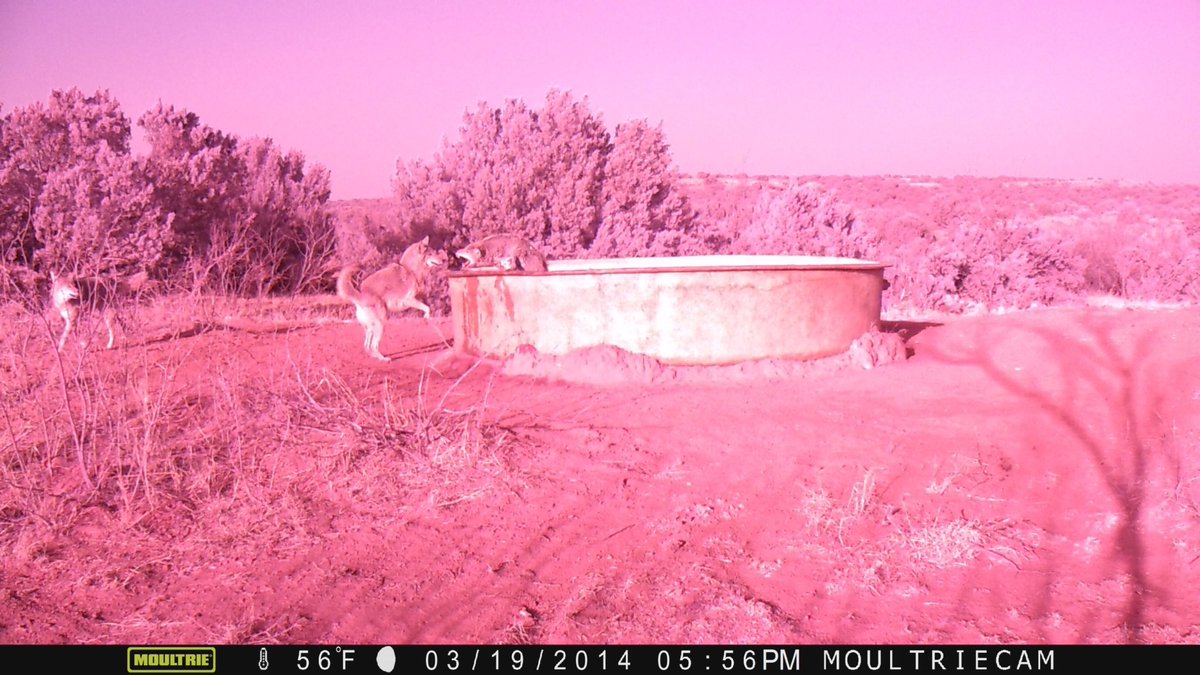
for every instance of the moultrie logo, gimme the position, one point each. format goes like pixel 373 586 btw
pixel 171 660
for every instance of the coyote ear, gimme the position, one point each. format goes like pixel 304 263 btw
pixel 425 240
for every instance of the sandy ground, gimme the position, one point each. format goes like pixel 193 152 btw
pixel 1024 478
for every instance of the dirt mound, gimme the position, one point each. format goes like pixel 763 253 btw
pixel 609 365
pixel 876 348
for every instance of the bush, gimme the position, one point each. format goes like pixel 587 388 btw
pixel 240 216
pixel 72 195
pixel 249 219
pixel 803 220
pixel 553 175
pixel 1142 261
pixel 1008 263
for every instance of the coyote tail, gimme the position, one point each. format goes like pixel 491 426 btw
pixel 345 286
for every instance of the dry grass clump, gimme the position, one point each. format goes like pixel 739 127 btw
pixel 870 544
pixel 415 439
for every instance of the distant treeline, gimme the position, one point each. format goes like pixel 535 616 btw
pixel 967 242
pixel 206 210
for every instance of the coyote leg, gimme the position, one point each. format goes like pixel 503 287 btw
pixel 68 315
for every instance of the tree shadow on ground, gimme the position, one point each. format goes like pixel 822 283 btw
pixel 1109 395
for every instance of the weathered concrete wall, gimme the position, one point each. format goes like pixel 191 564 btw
pixel 693 310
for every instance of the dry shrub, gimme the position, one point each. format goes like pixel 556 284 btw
pixel 941 545
pixel 974 264
pixel 442 456
pixel 1141 261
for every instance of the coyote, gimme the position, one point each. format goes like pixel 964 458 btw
pixel 506 251
pixel 393 288
pixel 71 296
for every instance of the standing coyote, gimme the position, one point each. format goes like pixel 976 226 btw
pixel 507 251
pixel 393 288
pixel 71 296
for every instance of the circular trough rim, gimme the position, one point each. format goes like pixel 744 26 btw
pixel 691 263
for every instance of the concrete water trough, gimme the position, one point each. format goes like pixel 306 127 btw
pixel 692 310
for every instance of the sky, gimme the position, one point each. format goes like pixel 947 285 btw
pixel 1040 89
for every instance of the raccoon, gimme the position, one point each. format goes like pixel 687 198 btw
pixel 506 251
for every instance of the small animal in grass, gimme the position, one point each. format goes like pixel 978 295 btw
pixel 393 288
pixel 509 252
